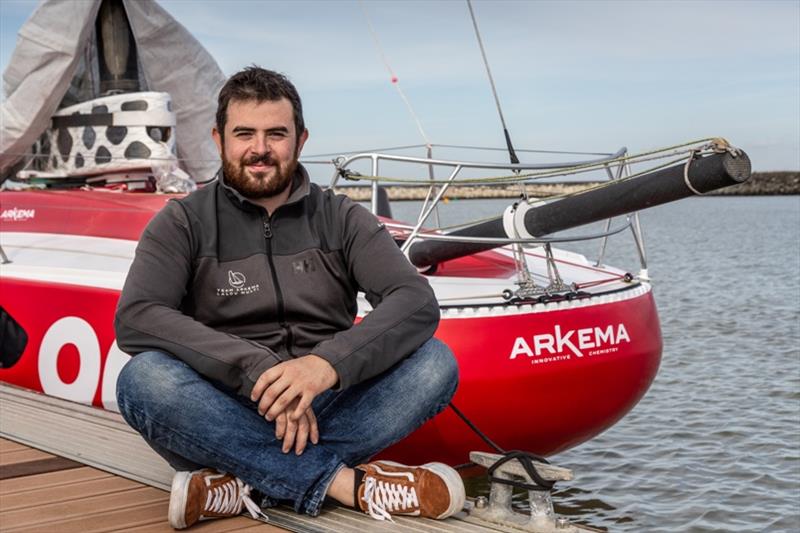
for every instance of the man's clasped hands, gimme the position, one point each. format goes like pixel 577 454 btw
pixel 284 394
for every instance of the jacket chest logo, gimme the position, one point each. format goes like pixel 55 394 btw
pixel 236 279
pixel 238 285
pixel 303 266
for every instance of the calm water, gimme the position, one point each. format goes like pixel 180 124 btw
pixel 715 443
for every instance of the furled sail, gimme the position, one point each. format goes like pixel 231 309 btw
pixel 55 65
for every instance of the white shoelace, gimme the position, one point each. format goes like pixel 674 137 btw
pixel 229 498
pixel 383 498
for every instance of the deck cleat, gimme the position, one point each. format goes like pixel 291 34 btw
pixel 509 471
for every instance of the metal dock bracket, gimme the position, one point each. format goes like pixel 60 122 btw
pixel 498 510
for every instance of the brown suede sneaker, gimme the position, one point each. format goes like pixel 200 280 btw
pixel 207 494
pixel 433 490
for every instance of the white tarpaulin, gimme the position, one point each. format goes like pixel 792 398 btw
pixel 52 47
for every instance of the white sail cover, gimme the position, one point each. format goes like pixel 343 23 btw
pixel 51 49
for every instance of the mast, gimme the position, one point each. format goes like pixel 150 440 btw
pixel 512 155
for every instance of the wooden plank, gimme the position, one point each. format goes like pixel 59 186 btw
pixel 22 456
pixel 41 466
pixel 45 513
pixel 149 515
pixel 87 483
pixel 86 489
pixel 153 519
pixel 10 446
pixel 62 479
pixel 239 523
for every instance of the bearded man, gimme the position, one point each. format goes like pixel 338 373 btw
pixel 249 376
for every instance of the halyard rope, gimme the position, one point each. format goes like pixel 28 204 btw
pixel 394 78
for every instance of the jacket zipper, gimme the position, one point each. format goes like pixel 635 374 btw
pixel 278 293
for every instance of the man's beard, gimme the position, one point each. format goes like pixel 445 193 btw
pixel 256 185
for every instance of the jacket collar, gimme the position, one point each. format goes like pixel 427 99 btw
pixel 301 186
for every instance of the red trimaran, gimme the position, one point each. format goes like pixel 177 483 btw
pixel 553 348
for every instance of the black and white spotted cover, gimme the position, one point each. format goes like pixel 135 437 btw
pixel 111 134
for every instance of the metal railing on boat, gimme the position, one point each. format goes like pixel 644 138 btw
pixel 614 164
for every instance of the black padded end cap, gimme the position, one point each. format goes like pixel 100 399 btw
pixel 738 167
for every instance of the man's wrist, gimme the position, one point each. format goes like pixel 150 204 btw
pixel 331 376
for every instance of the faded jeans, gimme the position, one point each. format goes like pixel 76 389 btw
pixel 194 423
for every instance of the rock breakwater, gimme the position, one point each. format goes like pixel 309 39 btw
pixel 760 184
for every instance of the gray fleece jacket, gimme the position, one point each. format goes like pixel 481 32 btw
pixel 232 292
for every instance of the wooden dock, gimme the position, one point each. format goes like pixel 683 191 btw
pixel 69 467
pixel 40 491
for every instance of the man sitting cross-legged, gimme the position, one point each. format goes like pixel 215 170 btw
pixel 249 375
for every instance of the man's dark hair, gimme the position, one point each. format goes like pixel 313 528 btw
pixel 259 84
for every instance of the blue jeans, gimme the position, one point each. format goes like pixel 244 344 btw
pixel 194 423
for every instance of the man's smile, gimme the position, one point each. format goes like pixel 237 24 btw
pixel 259 164
pixel 260 167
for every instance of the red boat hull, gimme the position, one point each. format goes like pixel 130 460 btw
pixel 539 378
pixel 543 404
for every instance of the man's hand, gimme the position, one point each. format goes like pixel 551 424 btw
pixel 297 433
pixel 299 380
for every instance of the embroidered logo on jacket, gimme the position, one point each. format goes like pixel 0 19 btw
pixel 236 279
pixel 303 266
pixel 237 282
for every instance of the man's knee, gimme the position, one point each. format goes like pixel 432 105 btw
pixel 146 378
pixel 437 369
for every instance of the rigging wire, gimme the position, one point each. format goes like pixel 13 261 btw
pixel 396 83
pixel 511 153
pixel 456 146
pixel 394 78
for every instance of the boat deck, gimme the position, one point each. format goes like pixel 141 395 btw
pixel 40 491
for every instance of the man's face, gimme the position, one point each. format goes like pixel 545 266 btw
pixel 260 147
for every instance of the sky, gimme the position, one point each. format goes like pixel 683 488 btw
pixel 571 75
